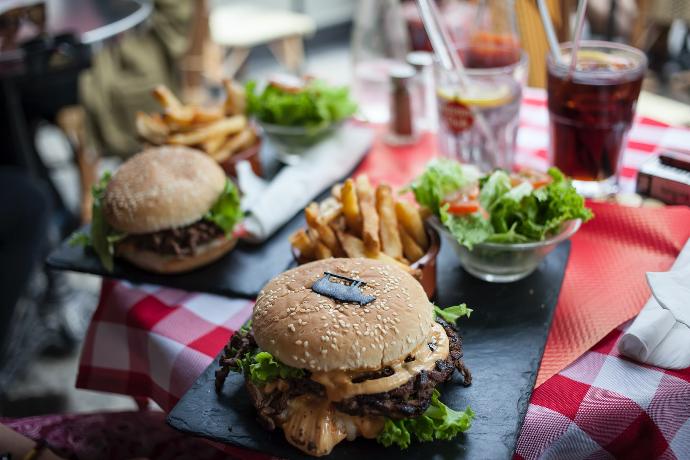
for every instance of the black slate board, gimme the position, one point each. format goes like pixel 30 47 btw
pixel 241 273
pixel 503 342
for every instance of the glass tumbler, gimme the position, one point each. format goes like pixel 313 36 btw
pixel 591 110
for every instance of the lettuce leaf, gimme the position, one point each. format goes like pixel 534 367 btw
pixel 440 178
pixel 451 314
pixel 261 367
pixel 102 237
pixel 468 230
pixel 438 422
pixel 316 105
pixel 226 212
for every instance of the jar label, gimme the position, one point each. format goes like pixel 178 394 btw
pixel 457 116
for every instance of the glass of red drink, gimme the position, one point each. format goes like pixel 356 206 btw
pixel 591 111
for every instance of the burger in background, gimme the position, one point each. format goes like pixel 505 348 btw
pixel 168 210
pixel 340 348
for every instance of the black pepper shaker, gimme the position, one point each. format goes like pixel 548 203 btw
pixel 402 129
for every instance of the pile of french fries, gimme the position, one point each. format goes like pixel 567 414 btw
pixel 360 221
pixel 219 131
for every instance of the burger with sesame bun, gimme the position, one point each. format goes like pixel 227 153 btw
pixel 169 209
pixel 340 348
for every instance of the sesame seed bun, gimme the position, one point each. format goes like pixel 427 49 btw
pixel 308 330
pixel 161 188
pixel 166 264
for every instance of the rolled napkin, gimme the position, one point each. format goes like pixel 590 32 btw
pixel 660 335
pixel 269 205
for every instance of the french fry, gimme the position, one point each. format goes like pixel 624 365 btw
pixel 321 251
pixel 338 224
pixel 383 257
pixel 204 115
pixel 353 246
pixel 213 144
pixel 412 251
pixel 329 210
pixel 336 191
pixel 179 115
pixel 151 128
pixel 326 233
pixel 234 144
pixel 301 241
pixel 348 196
pixel 222 127
pixel 410 220
pixel 165 97
pixel 235 98
pixel 370 219
pixel 390 237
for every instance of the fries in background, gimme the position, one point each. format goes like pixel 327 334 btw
pixel 219 131
pixel 358 221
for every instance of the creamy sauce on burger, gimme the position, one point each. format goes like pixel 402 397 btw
pixel 339 383
pixel 314 426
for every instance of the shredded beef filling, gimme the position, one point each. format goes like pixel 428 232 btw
pixel 407 401
pixel 180 241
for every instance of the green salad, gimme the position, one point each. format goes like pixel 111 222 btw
pixel 310 104
pixel 103 238
pixel 499 207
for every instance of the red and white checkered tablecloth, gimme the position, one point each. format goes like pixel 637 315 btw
pixel 607 406
pixel 154 342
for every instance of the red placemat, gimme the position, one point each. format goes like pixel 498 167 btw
pixel 605 282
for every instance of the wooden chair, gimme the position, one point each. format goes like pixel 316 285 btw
pixel 533 36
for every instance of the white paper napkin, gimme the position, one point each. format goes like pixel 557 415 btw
pixel 269 205
pixel 660 335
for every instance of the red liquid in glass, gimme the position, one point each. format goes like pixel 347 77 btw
pixel 487 50
pixel 589 117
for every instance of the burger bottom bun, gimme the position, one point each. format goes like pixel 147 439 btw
pixel 165 264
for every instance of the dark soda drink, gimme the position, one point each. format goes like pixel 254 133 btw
pixel 591 110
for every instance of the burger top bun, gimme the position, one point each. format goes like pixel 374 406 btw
pixel 161 188
pixel 312 331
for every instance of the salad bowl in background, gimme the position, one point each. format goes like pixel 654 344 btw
pixel 296 114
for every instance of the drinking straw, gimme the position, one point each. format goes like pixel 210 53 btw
pixel 450 60
pixel 579 25
pixel 550 32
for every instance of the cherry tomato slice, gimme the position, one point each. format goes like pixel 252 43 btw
pixel 461 208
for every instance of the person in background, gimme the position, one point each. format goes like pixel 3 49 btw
pixel 120 81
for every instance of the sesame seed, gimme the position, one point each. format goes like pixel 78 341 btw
pixel 306 343
pixel 291 327
pixel 298 342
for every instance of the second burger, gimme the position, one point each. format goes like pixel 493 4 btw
pixel 167 210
